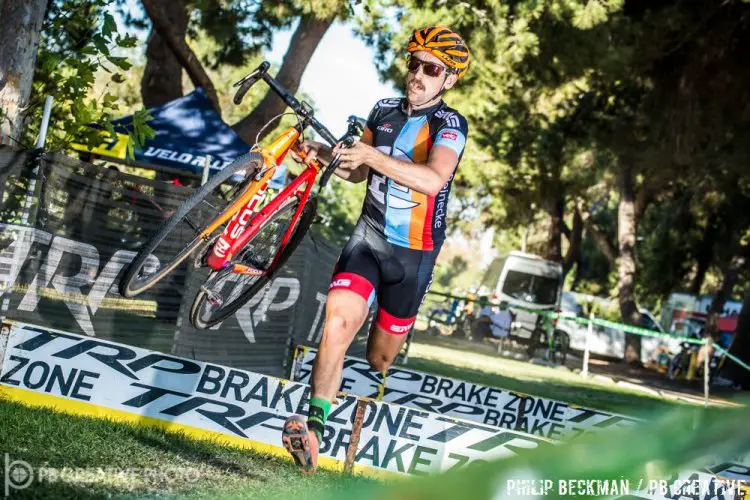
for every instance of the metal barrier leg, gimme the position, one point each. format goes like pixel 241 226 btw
pixel 589 333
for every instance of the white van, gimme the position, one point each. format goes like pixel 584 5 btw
pixel 527 280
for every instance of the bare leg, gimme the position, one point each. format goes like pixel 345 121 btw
pixel 346 312
pixel 383 347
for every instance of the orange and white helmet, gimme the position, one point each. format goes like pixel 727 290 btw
pixel 444 44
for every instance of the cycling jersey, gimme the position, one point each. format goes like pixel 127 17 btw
pixel 403 216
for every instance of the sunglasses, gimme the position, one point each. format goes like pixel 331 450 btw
pixel 428 68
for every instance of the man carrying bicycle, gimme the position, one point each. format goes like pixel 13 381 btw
pixel 408 155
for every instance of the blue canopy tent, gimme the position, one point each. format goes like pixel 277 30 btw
pixel 187 131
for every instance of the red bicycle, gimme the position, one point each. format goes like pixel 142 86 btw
pixel 232 229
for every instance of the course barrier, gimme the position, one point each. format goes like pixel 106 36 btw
pixel 456 398
pixel 694 453
pixel 95 377
pixel 99 378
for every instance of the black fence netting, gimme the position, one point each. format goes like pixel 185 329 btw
pixel 68 229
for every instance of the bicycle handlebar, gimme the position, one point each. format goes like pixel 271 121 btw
pixel 261 73
pixel 355 129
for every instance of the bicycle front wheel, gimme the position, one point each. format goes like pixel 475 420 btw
pixel 179 235
pixel 225 291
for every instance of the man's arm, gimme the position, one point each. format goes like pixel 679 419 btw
pixel 356 176
pixel 325 155
pixel 427 178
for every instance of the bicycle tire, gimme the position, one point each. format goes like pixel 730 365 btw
pixel 562 345
pixel 199 321
pixel 131 283
pixel 675 366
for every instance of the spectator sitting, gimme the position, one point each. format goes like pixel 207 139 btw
pixel 498 323
pixel 480 324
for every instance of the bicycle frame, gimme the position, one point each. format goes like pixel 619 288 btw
pixel 245 222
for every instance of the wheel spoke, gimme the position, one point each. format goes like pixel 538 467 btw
pixel 260 252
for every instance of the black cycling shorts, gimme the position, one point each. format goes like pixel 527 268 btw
pixel 399 276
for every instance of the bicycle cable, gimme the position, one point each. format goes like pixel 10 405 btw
pixel 264 127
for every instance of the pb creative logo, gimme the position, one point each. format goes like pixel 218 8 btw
pixel 18 474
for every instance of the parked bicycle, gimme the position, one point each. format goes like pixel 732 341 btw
pixel 556 343
pixel 679 365
pixel 452 319
pixel 243 238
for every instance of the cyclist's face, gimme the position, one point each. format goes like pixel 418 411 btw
pixel 420 87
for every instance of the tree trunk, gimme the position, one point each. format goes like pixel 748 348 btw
pixel 20 27
pixel 741 347
pixel 181 50
pixel 555 209
pixel 162 78
pixel 626 233
pixel 578 276
pixel 573 254
pixel 602 242
pixel 704 256
pixel 301 48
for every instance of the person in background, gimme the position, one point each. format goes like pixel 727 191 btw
pixel 499 322
pixel 480 325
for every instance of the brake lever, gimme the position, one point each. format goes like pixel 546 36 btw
pixel 330 169
pixel 247 82
pixel 353 133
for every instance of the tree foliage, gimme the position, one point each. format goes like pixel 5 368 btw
pixel 562 94
pixel 80 39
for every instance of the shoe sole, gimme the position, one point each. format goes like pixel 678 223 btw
pixel 295 437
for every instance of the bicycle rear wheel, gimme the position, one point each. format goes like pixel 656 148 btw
pixel 225 291
pixel 179 235
pixel 561 343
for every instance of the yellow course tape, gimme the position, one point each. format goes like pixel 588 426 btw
pixel 81 408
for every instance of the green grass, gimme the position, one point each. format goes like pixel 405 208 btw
pixel 188 468
pixel 480 365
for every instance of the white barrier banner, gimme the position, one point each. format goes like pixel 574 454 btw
pixel 456 398
pixel 243 404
